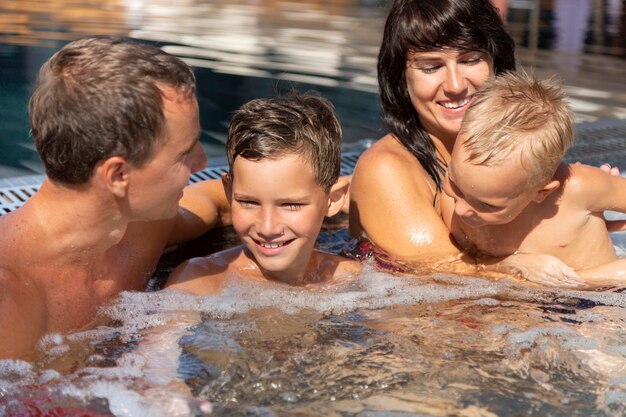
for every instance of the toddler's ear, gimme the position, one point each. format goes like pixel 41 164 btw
pixel 338 196
pixel 546 191
pixel 228 187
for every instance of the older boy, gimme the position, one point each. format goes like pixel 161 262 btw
pixel 284 161
pixel 116 125
pixel 513 195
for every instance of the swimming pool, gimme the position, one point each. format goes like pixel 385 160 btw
pixel 243 49
pixel 378 346
pixel 381 345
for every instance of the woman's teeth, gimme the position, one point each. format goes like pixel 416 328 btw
pixel 456 104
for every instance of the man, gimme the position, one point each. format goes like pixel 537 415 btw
pixel 117 127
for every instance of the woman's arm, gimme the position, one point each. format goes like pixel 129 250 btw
pixel 392 204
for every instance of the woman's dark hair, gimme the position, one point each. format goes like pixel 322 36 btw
pixel 426 25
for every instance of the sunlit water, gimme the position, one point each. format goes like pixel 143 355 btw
pixel 437 346
pixel 380 345
pixel 244 49
pixel 375 345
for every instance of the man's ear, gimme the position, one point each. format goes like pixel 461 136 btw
pixel 548 189
pixel 338 196
pixel 115 173
pixel 228 187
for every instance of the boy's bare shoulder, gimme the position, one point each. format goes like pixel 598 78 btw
pixel 585 181
pixel 205 275
pixel 334 266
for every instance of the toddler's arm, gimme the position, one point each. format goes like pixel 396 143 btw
pixel 612 274
pixel 541 269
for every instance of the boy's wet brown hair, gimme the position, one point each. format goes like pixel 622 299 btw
pixel 100 97
pixel 301 124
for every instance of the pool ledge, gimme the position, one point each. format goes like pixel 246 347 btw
pixel 15 191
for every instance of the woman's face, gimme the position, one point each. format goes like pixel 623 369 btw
pixel 441 85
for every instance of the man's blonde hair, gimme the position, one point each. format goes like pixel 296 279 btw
pixel 516 115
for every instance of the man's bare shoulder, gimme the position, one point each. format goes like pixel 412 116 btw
pixel 23 310
pixel 206 275
pixel 18 238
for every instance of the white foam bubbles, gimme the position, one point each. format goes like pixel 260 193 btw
pixel 15 373
pixel 370 290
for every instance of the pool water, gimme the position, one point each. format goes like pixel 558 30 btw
pixel 373 345
pixel 378 345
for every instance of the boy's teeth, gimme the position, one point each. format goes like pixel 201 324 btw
pixel 271 245
pixel 455 104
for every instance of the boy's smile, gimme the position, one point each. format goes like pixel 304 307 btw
pixel 278 209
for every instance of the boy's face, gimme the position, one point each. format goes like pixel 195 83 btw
pixel 277 211
pixel 486 195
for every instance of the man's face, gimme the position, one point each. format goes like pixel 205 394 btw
pixel 156 187
pixel 278 209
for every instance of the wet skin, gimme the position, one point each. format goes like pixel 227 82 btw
pixel 393 200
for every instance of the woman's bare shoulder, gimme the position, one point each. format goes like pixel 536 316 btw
pixel 392 203
pixel 387 150
pixel 387 167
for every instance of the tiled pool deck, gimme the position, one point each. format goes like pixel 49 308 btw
pixel 15 191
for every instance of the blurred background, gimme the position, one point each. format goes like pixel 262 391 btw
pixel 242 49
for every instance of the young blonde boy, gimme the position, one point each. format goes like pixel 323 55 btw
pixel 513 194
pixel 284 162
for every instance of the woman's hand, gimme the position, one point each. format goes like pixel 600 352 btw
pixel 609 169
pixel 545 270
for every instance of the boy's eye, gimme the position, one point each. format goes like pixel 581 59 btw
pixel 490 207
pixel 293 206
pixel 246 203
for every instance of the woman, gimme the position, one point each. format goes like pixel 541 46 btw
pixel 434 56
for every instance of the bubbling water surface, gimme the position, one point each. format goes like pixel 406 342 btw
pixel 377 345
